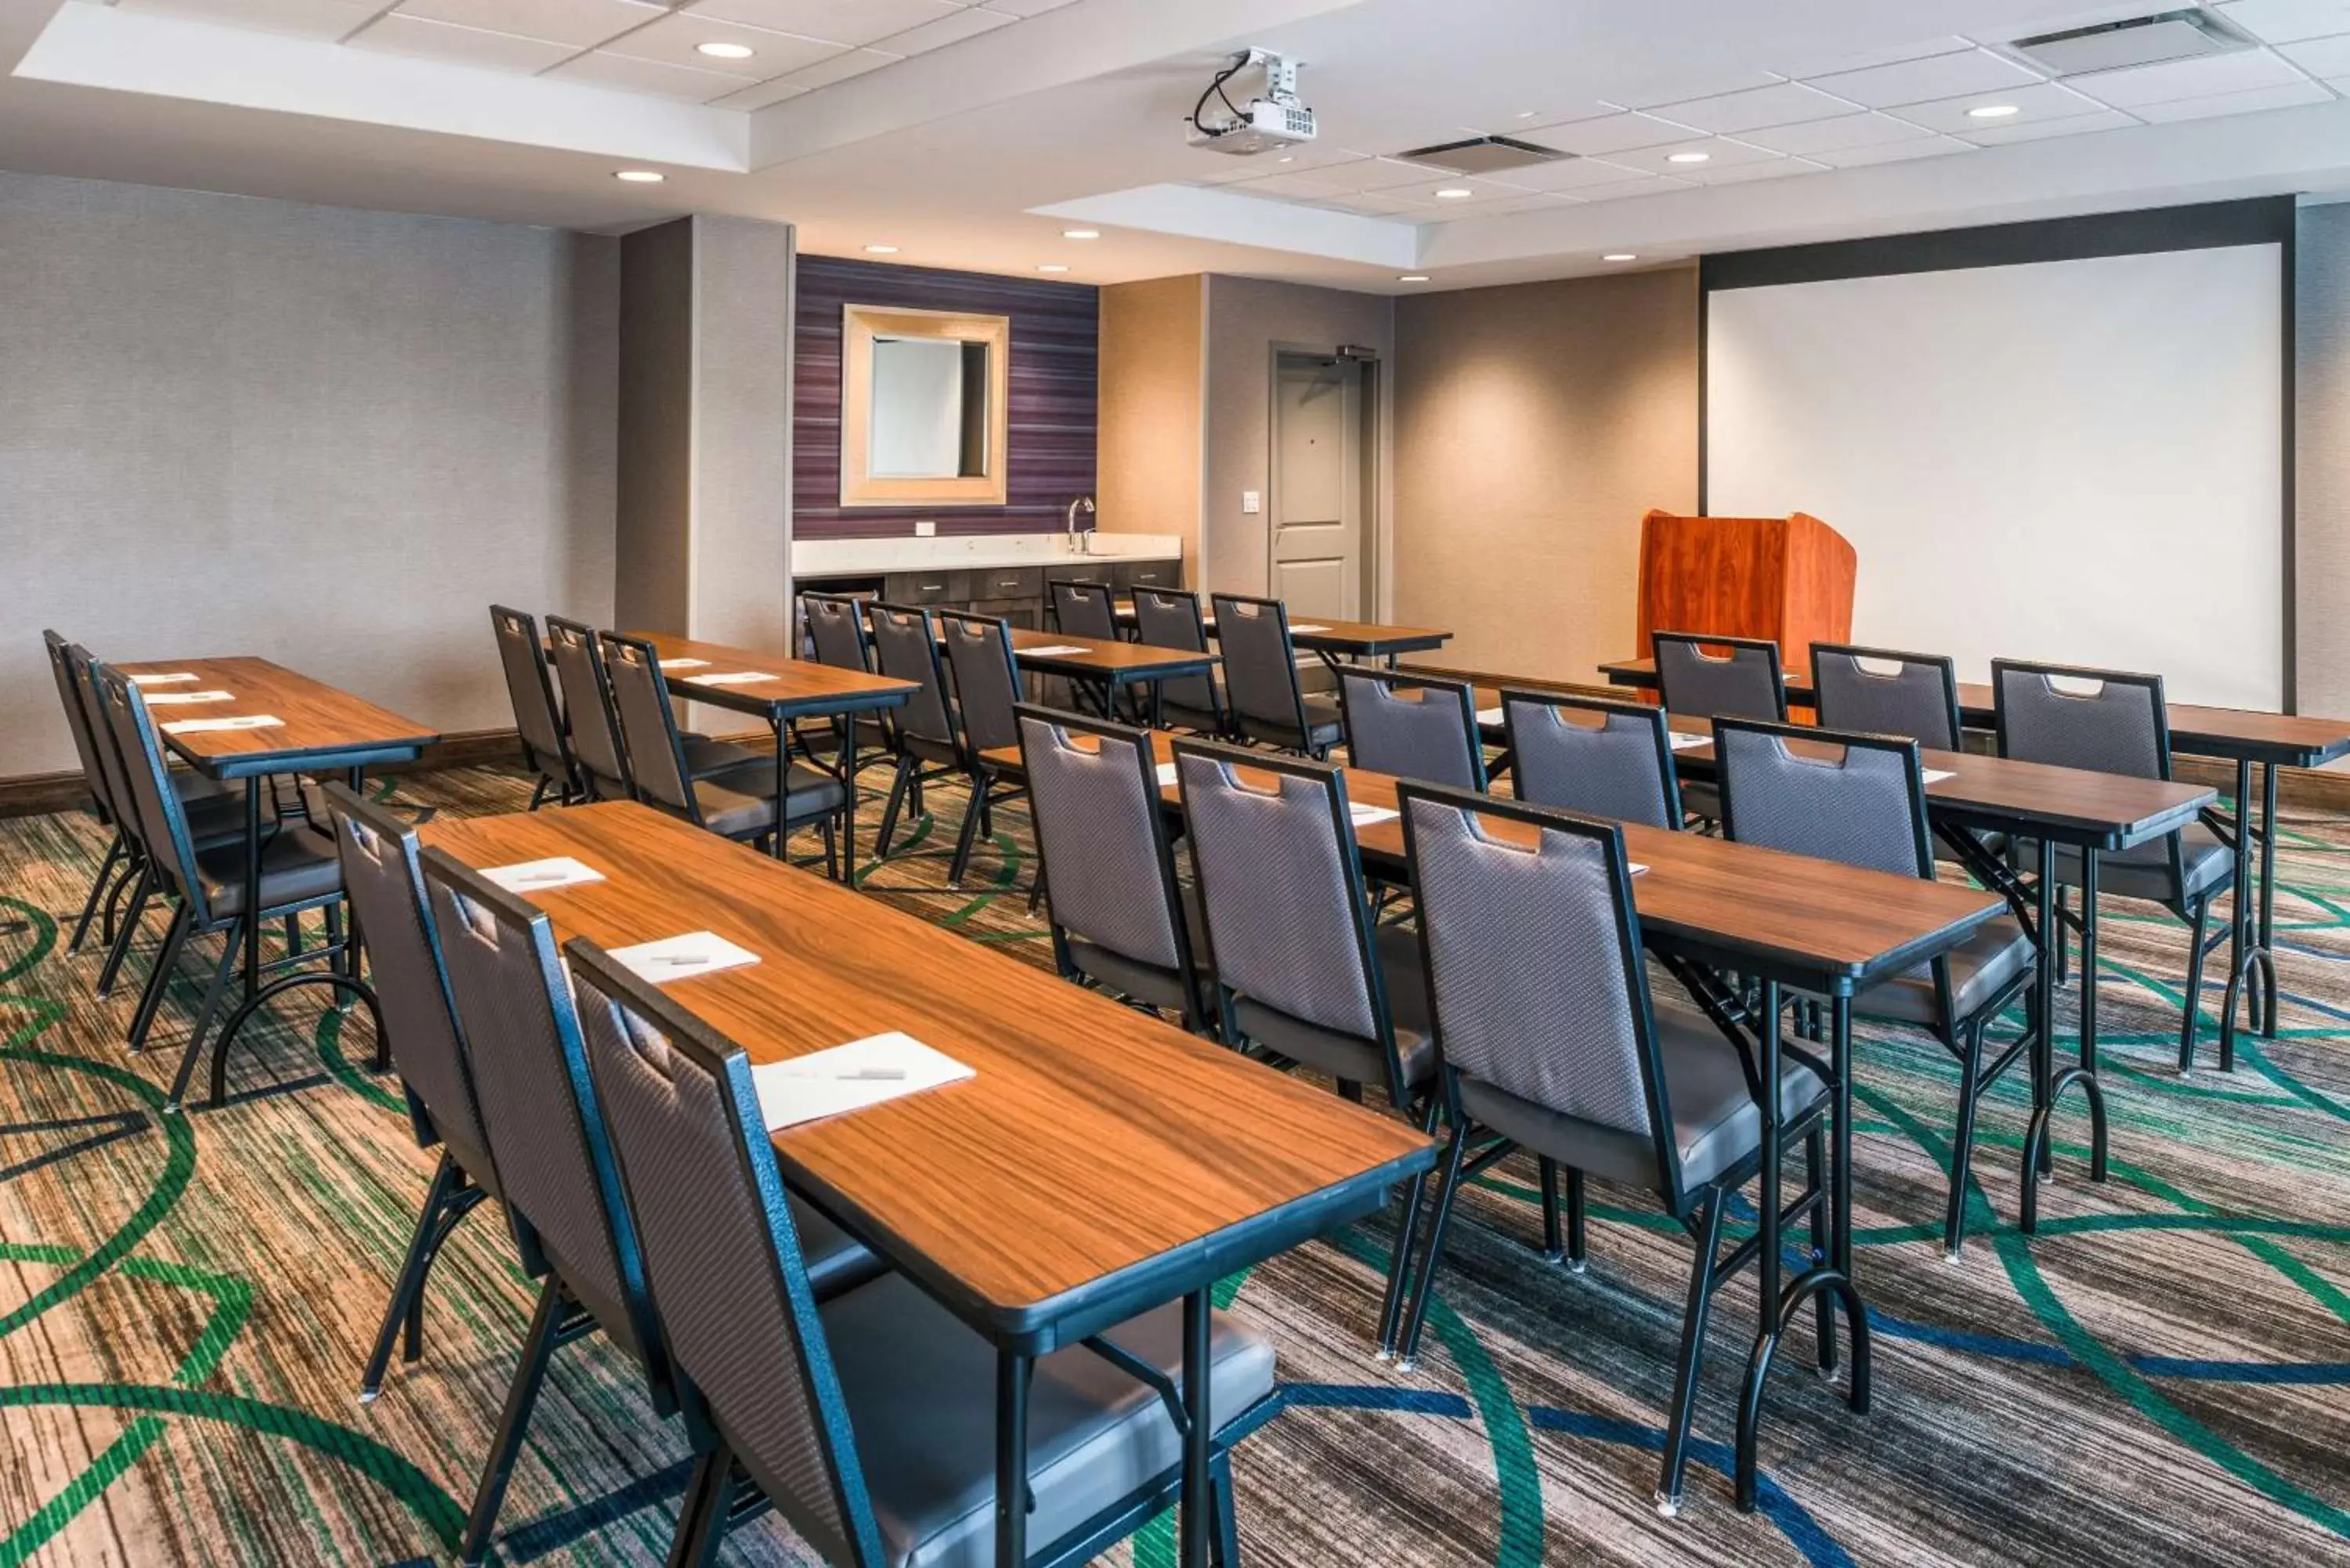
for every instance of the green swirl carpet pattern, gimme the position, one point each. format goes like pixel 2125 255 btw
pixel 2162 1376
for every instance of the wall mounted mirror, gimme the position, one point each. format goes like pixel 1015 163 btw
pixel 923 414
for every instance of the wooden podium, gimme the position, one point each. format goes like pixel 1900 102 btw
pixel 1785 579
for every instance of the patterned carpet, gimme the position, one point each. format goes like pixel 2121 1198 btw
pixel 2162 1376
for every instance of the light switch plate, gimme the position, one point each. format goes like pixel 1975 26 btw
pixel 1251 502
pixel 926 530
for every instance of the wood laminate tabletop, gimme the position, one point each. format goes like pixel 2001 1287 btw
pixel 1115 660
pixel 797 688
pixel 323 726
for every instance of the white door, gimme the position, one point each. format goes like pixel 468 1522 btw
pixel 1317 487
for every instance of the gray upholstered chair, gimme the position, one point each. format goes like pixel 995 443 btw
pixel 1745 683
pixel 1119 918
pixel 1302 973
pixel 1413 726
pixel 1620 766
pixel 1917 695
pixel 381 876
pixel 1860 799
pixel 1267 704
pixel 546 748
pixel 847 746
pixel 546 1133
pixel 1550 1042
pixel 2114 722
pixel 1170 618
pixel 921 731
pixel 868 1420
pixel 601 761
pixel 739 803
pixel 1083 609
pixel 987 689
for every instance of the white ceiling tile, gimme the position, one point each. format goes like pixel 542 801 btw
pixel 1649 91
pixel 324 19
pixel 629 74
pixel 582 24
pixel 1613 133
pixel 1822 135
pixel 967 23
pixel 839 68
pixel 398 34
pixel 2038 131
pixel 1786 103
pixel 2238 72
pixel 2039 101
pixel 1481 190
pixel 1806 66
pixel 1299 159
pixel 2320 56
pixel 1568 174
pixel 840 21
pixel 1719 153
pixel 1027 8
pixel 2289 21
pixel 1305 186
pixel 759 95
pixel 1454 211
pixel 1373 204
pixel 1922 81
pixel 1740 173
pixel 1532 121
pixel 1647 186
pixel 1387 174
pixel 2291 95
pixel 675 40
pixel 1893 151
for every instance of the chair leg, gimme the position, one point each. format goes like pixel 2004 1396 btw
pixel 1692 1357
pixel 538 795
pixel 513 1422
pixel 831 849
pixel 1962 1142
pixel 701 1520
pixel 126 931
pixel 1036 891
pixel 890 812
pixel 971 812
pixel 100 886
pixel 410 1287
pixel 1224 1538
pixel 167 962
pixel 1815 1172
pixel 1554 1244
pixel 1455 1156
pixel 1406 1234
pixel 2063 943
pixel 1578 1257
pixel 230 945
pixel 2194 1000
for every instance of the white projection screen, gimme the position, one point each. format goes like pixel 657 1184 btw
pixel 2080 461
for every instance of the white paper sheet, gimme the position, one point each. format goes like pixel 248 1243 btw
pixel 1935 775
pixel 1166 776
pixel 542 876
pixel 731 678
pixel 172 679
pixel 1053 651
pixel 1489 715
pixel 1309 625
pixel 682 958
pixel 685 664
pixel 180 698
pixel 241 722
pixel 850 1077
pixel 1682 743
pixel 1369 815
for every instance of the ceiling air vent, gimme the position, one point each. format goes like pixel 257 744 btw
pixel 2166 35
pixel 1482 155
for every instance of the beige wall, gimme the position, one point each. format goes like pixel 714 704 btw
pixel 1247 321
pixel 329 437
pixel 1535 424
pixel 1153 365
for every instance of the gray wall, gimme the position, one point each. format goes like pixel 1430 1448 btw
pixel 328 437
pixel 2321 446
pixel 652 549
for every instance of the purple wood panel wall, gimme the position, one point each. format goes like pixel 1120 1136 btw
pixel 1054 361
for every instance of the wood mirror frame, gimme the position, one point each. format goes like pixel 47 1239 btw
pixel 860 325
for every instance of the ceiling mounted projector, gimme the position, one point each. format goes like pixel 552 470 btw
pixel 1275 118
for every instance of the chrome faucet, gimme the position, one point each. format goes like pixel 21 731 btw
pixel 1083 503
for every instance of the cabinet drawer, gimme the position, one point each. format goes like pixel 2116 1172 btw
pixel 1149 574
pixel 1021 613
pixel 928 588
pixel 1098 576
pixel 1008 583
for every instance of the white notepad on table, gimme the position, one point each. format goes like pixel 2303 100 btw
pixel 849 1078
pixel 1369 815
pixel 1935 775
pixel 1489 715
pixel 1309 625
pixel 731 678
pixel 180 698
pixel 1054 651
pixel 241 722
pixel 687 957
pixel 1682 743
pixel 173 678
pixel 685 664
pixel 542 876
pixel 1166 776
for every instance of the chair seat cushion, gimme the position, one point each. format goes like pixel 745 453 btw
pixel 297 864
pixel 1147 983
pixel 1716 1123
pixel 1347 1057
pixel 706 758
pixel 1981 968
pixel 2143 871
pixel 836 1261
pixel 1701 799
pixel 920 1392
pixel 1322 727
pixel 741 803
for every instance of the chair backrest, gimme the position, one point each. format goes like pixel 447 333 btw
pixel 524 658
pixel 722 1253
pixel 1413 726
pixel 147 789
pixel 1260 662
pixel 1082 609
pixel 2110 721
pixel 1833 795
pixel 1170 618
pixel 70 679
pixel 1917 697
pixel 1620 767
pixel 1536 978
pixel 648 725
pixel 538 1106
pixel 1101 838
pixel 385 884
pixel 906 647
pixel 986 679
pixel 1743 684
pixel 588 700
pixel 121 801
pixel 1280 891
pixel 836 626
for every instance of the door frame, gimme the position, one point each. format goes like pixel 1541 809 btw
pixel 1368 451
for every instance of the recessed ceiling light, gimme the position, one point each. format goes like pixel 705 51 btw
pixel 1689 157
pixel 1413 278
pixel 1286 158
pixel 1455 193
pixel 1081 233
pixel 1051 266
pixel 1993 111
pixel 881 250
pixel 640 176
pixel 1619 255
pixel 1528 113
pixel 726 51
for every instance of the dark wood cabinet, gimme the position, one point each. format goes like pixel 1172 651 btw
pixel 1014 593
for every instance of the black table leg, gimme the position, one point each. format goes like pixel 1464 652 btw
pixel 1840 1058
pixel 1199 1495
pixel 2043 1049
pixel 2268 1005
pixel 783 783
pixel 1010 1458
pixel 2245 944
pixel 252 885
pixel 2088 959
